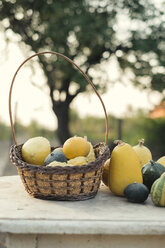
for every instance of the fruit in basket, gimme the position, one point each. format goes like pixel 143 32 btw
pixel 35 150
pixel 56 155
pixel 91 155
pixel 143 152
pixel 105 175
pixel 124 168
pixel 162 161
pixel 151 171
pixel 78 160
pixel 56 163
pixel 136 192
pixel 75 147
pixel 158 191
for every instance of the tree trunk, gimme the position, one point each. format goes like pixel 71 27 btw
pixel 61 111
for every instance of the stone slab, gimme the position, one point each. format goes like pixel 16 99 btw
pixel 105 214
pixel 103 241
pixel 84 241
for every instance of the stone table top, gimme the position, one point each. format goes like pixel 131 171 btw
pixel 104 214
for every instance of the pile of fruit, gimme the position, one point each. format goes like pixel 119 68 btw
pixel 75 151
pixel 129 172
pixel 132 173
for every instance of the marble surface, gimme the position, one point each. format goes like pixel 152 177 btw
pixel 104 214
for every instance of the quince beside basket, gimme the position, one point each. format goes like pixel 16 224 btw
pixel 60 183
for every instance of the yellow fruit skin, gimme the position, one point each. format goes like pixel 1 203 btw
pixel 35 150
pixel 56 163
pixel 143 153
pixel 124 169
pixel 105 176
pixel 91 155
pixel 78 161
pixel 75 147
pixel 162 160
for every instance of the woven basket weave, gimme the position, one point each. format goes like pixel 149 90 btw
pixel 60 183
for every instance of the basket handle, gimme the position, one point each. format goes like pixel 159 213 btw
pixel 66 58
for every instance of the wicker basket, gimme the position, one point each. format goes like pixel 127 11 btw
pixel 60 183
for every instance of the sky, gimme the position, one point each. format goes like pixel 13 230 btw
pixel 34 104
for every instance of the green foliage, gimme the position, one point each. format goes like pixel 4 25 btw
pixel 4 131
pixel 134 128
pixel 155 133
pixel 152 130
pixel 93 127
pixel 34 129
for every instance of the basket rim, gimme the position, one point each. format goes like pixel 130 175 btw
pixel 96 164
pixel 76 66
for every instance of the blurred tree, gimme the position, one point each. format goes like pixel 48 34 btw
pixel 88 32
